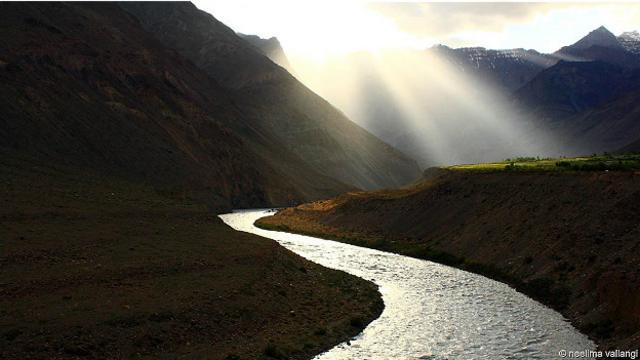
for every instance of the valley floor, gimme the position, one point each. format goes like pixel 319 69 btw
pixel 103 268
pixel 569 239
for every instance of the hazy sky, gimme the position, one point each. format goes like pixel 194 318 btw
pixel 315 29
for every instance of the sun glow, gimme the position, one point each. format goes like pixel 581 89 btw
pixel 316 30
pixel 425 106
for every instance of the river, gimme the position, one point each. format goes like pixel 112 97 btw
pixel 432 311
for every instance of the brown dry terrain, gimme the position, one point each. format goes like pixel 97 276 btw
pixel 98 267
pixel 569 239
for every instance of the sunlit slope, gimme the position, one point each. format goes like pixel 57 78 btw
pixel 620 162
pixel 567 238
pixel 281 110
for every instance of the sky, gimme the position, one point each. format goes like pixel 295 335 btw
pixel 320 29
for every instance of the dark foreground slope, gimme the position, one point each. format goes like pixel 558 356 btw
pixel 114 150
pixel 278 107
pixel 569 239
pixel 97 267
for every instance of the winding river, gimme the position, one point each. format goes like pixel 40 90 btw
pixel 432 311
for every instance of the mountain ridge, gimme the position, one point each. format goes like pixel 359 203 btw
pixel 131 106
pixel 630 40
pixel 276 104
pixel 271 48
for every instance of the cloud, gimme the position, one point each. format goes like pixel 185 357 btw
pixel 444 19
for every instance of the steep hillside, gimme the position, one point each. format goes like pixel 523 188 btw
pixel 633 146
pixel 590 105
pixel 569 239
pixel 271 48
pixel 611 126
pixel 571 87
pixel 280 109
pixel 84 84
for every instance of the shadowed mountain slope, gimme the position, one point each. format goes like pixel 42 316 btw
pixel 592 105
pixel 271 48
pixel 599 45
pixel 276 105
pixel 86 85
pixel 611 125
pixel 571 87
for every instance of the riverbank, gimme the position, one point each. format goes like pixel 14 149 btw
pixel 568 239
pixel 432 311
pixel 99 267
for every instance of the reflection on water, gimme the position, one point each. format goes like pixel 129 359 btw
pixel 432 311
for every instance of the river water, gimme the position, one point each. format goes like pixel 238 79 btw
pixel 432 311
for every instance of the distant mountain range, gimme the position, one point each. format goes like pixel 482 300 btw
pixel 587 92
pixel 166 94
pixel 590 99
pixel 508 69
pixel 576 100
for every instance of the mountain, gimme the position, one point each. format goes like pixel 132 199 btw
pixel 630 41
pixel 86 85
pixel 611 126
pixel 589 102
pixel 570 87
pixel 280 109
pixel 590 105
pixel 589 99
pixel 600 44
pixel 508 69
pixel 598 37
pixel 271 48
pixel 634 146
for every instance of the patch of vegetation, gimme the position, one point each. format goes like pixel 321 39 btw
pixel 605 162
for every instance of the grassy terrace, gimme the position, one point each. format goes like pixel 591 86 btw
pixel 624 162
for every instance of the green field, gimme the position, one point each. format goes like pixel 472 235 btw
pixel 607 162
